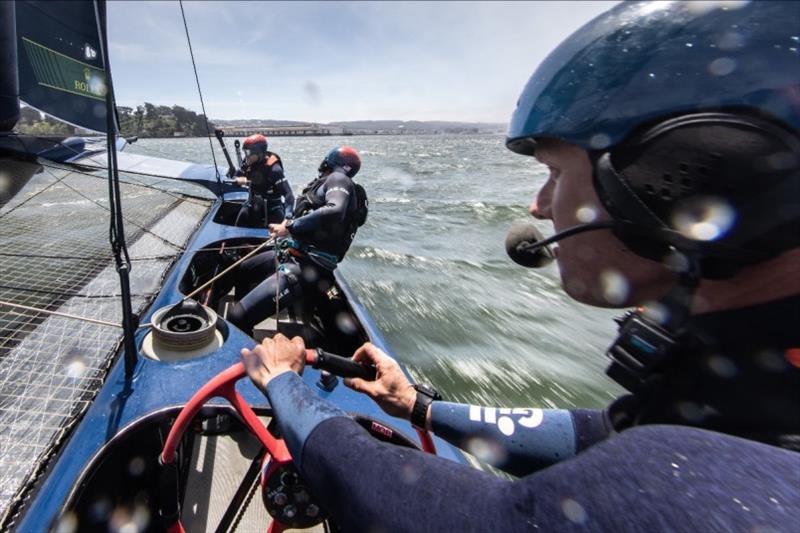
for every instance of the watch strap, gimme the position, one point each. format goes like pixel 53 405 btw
pixel 425 397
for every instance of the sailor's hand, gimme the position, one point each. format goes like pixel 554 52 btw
pixel 279 230
pixel 391 389
pixel 241 181
pixel 274 357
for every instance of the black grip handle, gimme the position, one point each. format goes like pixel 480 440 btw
pixel 341 366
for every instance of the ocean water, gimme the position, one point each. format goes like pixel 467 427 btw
pixel 431 268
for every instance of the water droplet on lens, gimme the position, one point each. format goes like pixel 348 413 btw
pixel 67 523
pixel 615 286
pixel 599 141
pixel 724 367
pixel 136 467
pixel 345 323
pixel 657 312
pixel 691 412
pixel 310 274
pixel 122 521
pixel 486 450
pixel 410 474
pixel 586 214
pixel 75 367
pixel 99 510
pixel 704 219
pixel 574 511
pixel 722 66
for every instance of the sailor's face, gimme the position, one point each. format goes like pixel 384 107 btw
pixel 596 267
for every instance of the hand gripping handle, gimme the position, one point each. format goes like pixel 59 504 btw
pixel 339 365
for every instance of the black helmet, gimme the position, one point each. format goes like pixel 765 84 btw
pixel 691 113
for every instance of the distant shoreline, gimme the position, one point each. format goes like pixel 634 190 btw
pixel 405 134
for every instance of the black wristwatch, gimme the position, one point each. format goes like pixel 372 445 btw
pixel 425 396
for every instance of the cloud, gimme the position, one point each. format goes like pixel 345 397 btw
pixel 340 61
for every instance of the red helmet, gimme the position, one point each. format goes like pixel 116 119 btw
pixel 255 145
pixel 344 157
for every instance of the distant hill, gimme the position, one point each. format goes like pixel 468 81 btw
pixel 377 126
pixel 258 123
pixel 417 125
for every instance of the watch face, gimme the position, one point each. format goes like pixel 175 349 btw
pixel 427 391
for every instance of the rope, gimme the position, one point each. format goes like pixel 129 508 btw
pixel 200 92
pixel 237 263
pixel 65 315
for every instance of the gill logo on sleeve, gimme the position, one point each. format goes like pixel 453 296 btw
pixel 505 418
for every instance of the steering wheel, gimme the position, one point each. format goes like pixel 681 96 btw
pixel 287 498
pixel 285 495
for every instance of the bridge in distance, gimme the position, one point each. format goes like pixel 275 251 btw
pixel 311 130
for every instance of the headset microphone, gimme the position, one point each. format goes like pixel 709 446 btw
pixel 527 247
pixel 520 242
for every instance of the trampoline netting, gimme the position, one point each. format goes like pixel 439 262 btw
pixel 55 256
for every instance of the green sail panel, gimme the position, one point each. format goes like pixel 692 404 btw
pixel 61 68
pixel 62 73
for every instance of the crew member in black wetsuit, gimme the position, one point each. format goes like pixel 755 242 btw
pixel 270 191
pixel 672 136
pixel 327 216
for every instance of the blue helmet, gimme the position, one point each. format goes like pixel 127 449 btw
pixel 343 157
pixel 677 102
pixel 642 61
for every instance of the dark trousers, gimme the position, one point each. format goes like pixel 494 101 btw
pixel 251 214
pixel 257 283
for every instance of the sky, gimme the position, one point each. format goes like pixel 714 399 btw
pixel 337 61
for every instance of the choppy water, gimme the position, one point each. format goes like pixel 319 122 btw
pixel 431 268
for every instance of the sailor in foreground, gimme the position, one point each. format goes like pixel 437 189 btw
pixel 271 199
pixel 672 135
pixel 326 217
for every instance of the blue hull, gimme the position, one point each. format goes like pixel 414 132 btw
pixel 159 386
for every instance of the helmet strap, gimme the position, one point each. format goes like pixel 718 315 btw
pixel 324 167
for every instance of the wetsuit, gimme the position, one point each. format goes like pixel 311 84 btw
pixel 321 235
pixel 269 193
pixel 660 468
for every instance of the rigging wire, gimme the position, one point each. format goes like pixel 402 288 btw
pixel 200 92
pixel 137 183
pixel 34 195
pixel 116 231
pixel 77 152
pixel 127 220
pixel 79 193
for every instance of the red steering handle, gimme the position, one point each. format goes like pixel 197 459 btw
pixel 223 385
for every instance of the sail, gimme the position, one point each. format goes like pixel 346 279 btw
pixel 61 66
